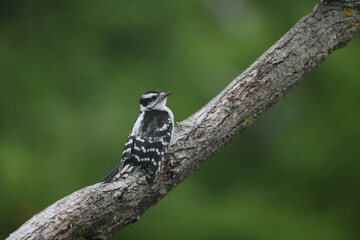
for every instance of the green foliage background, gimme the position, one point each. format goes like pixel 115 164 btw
pixel 71 74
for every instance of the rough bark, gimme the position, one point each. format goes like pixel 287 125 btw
pixel 98 211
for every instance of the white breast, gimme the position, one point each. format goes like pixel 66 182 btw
pixel 137 125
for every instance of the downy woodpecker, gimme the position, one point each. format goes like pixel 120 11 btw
pixel 149 138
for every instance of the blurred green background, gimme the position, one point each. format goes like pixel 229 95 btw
pixel 71 74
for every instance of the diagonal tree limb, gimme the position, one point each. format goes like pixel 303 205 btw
pixel 98 211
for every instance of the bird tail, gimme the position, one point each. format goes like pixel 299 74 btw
pixel 111 175
pixel 120 170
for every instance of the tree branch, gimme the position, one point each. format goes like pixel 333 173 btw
pixel 98 211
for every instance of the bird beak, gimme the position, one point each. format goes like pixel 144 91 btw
pixel 165 95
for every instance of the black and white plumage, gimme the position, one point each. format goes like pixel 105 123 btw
pixel 149 138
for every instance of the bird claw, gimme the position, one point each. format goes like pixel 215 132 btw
pixel 172 155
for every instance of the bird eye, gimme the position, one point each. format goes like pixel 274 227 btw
pixel 153 97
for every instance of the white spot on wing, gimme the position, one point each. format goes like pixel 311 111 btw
pixel 127 150
pixel 153 162
pixel 163 128
pixel 140 139
pixel 129 142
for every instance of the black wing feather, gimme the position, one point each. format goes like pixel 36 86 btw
pixel 149 147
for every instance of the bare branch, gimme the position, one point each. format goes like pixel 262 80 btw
pixel 98 211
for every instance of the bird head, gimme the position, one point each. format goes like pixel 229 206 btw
pixel 153 100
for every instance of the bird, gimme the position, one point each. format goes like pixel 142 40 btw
pixel 149 139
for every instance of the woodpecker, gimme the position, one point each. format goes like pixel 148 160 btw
pixel 149 138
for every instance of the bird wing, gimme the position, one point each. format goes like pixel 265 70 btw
pixel 149 148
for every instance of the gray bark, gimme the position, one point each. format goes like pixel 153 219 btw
pixel 98 211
